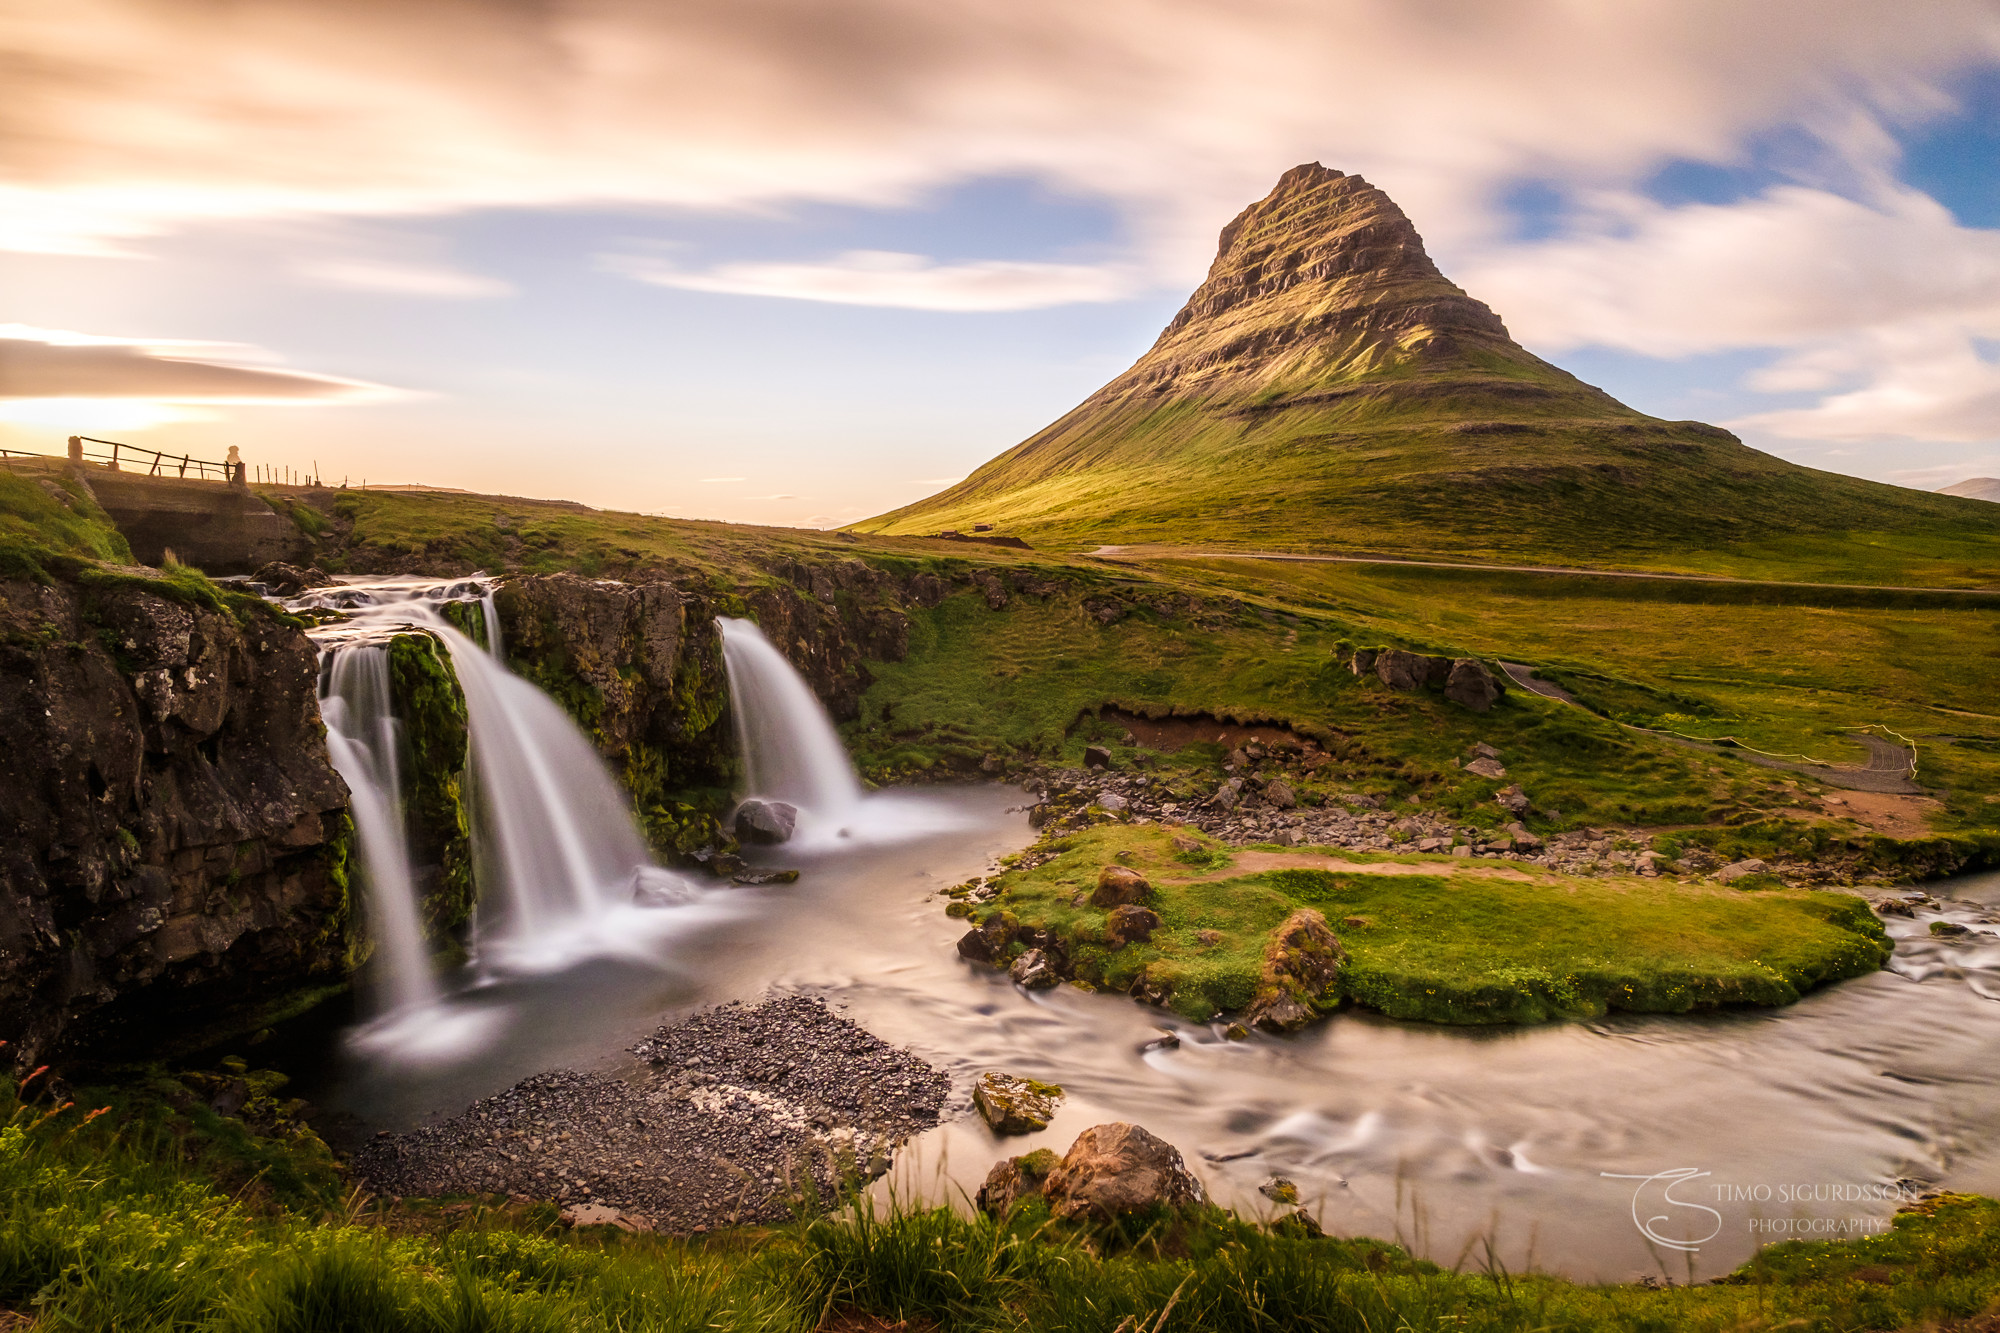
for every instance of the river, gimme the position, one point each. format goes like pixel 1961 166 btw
pixel 1547 1147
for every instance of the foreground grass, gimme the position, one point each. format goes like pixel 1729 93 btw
pixel 1460 945
pixel 142 1222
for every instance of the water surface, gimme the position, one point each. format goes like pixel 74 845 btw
pixel 1435 1136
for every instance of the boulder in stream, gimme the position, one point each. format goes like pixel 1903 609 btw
pixel 1014 1180
pixel 765 822
pixel 1034 971
pixel 1014 1105
pixel 1117 1169
pixel 988 943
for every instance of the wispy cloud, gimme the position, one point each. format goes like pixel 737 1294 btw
pixel 404 279
pixel 126 120
pixel 893 278
pixel 62 364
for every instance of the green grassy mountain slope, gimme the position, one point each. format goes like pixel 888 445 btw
pixel 1327 389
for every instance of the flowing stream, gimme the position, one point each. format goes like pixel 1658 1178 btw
pixel 1553 1146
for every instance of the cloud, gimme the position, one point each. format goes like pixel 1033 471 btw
pixel 62 365
pixel 890 278
pixel 126 117
pixel 1881 306
pixel 1784 269
pixel 403 279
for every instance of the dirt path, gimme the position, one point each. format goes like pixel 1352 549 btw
pixel 1256 863
pixel 1887 771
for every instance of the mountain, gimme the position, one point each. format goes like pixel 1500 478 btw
pixel 1327 388
pixel 1974 488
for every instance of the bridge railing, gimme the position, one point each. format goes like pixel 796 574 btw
pixel 121 457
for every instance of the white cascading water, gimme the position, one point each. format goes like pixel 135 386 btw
pixel 791 753
pixel 562 871
pixel 364 742
pixel 490 611
pixel 790 750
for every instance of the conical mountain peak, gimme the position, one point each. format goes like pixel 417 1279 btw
pixel 1325 277
pixel 1326 388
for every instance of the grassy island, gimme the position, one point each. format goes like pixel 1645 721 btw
pixel 1435 938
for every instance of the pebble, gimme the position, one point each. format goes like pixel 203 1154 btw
pixel 728 1117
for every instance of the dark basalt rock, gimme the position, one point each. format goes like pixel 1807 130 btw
pixel 1130 924
pixel 766 822
pixel 289 580
pixel 1472 685
pixel 173 840
pixel 1119 885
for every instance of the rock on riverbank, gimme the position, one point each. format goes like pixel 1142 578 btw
pixel 727 1118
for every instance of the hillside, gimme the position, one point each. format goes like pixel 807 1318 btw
pixel 1974 488
pixel 1328 389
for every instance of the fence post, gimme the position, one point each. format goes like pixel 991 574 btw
pixel 76 448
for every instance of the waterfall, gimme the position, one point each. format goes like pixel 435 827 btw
pixel 552 835
pixel 491 612
pixel 790 750
pixel 363 741
pixel 558 858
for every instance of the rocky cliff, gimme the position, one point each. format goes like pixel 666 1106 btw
pixel 175 842
pixel 639 665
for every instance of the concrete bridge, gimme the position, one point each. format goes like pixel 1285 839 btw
pixel 220 526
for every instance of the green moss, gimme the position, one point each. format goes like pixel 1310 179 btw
pixel 1463 948
pixel 431 707
pixel 342 930
pixel 469 618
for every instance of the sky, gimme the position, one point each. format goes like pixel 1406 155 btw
pixel 800 262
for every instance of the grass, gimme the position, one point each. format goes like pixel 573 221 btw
pixel 40 533
pixel 146 1220
pixel 1465 947
pixel 1785 669
pixel 1361 480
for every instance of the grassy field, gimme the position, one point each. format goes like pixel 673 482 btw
pixel 1468 943
pixel 1783 669
pixel 150 1219
pixel 1631 493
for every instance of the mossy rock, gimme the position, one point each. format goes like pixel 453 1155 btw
pixel 1015 1105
